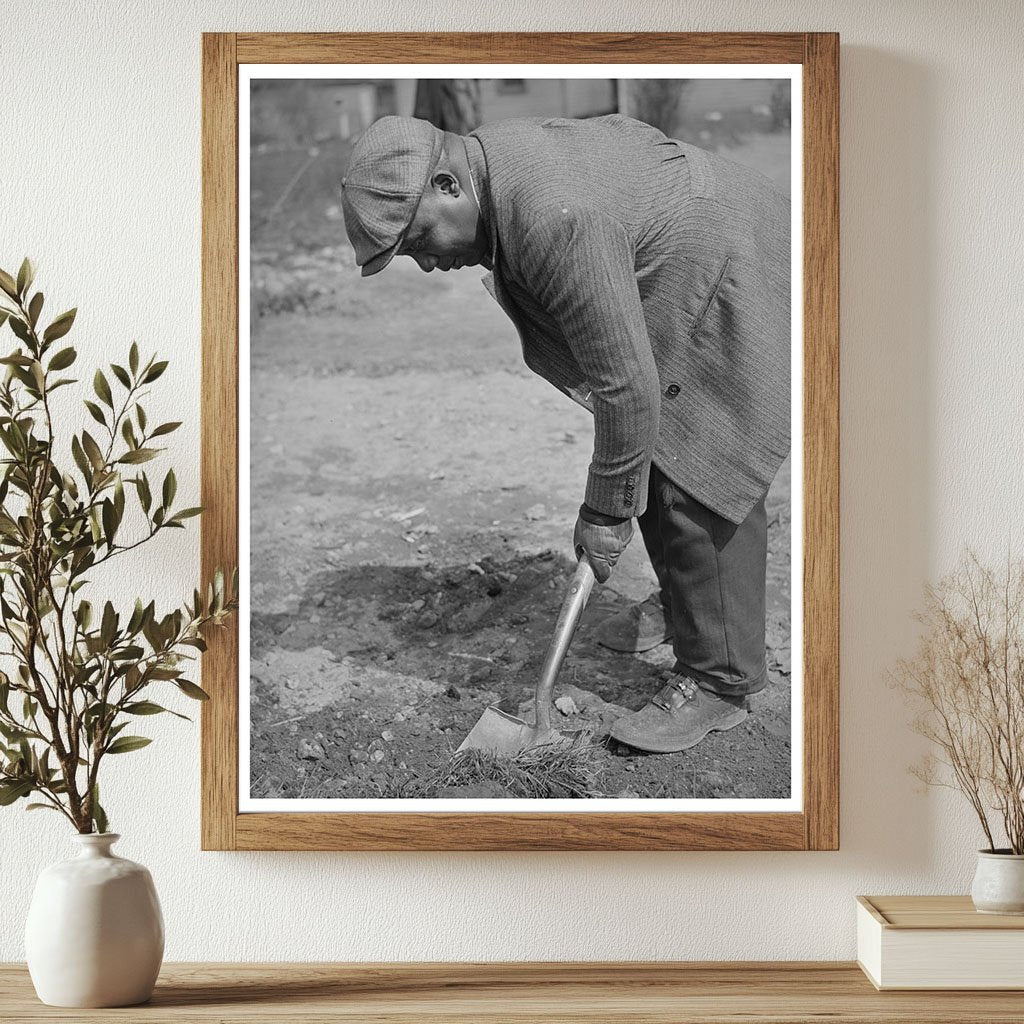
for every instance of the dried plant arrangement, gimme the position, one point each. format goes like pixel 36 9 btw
pixel 967 680
pixel 80 673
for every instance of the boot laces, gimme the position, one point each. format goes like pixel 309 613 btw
pixel 668 696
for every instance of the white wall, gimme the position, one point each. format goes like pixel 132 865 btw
pixel 99 181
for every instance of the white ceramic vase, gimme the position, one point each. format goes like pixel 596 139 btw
pixel 999 882
pixel 95 933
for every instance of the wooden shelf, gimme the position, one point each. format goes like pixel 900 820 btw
pixel 611 993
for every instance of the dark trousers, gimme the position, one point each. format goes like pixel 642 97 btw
pixel 711 574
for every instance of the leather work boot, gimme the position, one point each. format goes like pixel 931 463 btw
pixel 637 628
pixel 678 718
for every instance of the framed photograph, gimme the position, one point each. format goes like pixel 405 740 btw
pixel 520 419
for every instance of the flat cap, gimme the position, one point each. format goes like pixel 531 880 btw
pixel 387 172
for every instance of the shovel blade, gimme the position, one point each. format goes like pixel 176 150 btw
pixel 499 732
pixel 502 733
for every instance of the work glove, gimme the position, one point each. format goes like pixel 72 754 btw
pixel 601 539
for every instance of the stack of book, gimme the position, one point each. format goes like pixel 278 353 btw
pixel 938 942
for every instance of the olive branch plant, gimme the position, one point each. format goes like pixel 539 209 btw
pixel 79 675
pixel 966 680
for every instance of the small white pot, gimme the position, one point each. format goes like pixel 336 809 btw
pixel 999 882
pixel 95 933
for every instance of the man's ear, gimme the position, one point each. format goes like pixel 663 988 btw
pixel 446 182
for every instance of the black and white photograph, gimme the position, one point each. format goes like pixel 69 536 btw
pixel 519 449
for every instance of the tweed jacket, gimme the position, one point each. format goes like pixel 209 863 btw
pixel 649 281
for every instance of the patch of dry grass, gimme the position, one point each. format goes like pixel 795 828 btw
pixel 551 771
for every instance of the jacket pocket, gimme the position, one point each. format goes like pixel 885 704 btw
pixel 712 292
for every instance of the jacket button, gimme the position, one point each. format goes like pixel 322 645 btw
pixel 672 390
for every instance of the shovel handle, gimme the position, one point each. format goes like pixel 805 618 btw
pixel 568 618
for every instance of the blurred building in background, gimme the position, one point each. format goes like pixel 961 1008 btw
pixel 312 111
pixel 302 130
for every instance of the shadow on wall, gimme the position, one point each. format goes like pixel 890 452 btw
pixel 887 202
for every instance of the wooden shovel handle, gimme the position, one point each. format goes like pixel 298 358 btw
pixel 568 618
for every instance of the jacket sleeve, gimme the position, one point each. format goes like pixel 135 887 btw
pixel 579 264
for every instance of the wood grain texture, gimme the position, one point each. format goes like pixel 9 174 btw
pixel 610 993
pixel 936 913
pixel 520 47
pixel 219 434
pixel 821 440
pixel 577 831
pixel 817 827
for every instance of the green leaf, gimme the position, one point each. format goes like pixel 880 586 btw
pixel 60 326
pixel 17 630
pixel 165 428
pixel 10 442
pixel 185 513
pixel 163 673
pixel 92 449
pixel 8 284
pixel 34 308
pixel 96 412
pixel 84 614
pixel 130 653
pixel 12 733
pixel 80 459
pixel 170 487
pixel 102 388
pixel 108 627
pixel 135 622
pixel 145 498
pixel 18 359
pixel 99 816
pixel 26 274
pixel 114 730
pixel 20 329
pixel 119 499
pixel 147 707
pixel 128 433
pixel 154 371
pixel 109 521
pixel 139 455
pixel 95 528
pixel 191 690
pixel 143 707
pixel 95 711
pixel 133 357
pixel 41 807
pixel 140 415
pixel 63 359
pixel 126 744
pixel 11 791
pixel 121 374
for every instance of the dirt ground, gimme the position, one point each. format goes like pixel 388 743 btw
pixel 413 492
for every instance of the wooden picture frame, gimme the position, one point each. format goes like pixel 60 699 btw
pixel 816 826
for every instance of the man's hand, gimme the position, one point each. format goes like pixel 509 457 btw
pixel 602 539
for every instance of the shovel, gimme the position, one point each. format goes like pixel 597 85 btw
pixel 506 734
